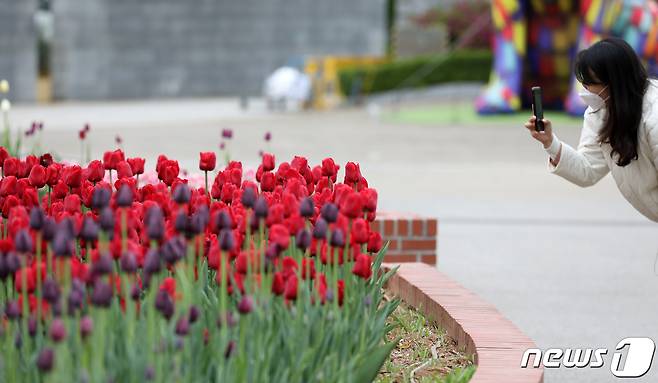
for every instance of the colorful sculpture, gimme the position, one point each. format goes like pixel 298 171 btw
pixel 535 43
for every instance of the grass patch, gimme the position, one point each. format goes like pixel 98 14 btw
pixel 425 352
pixel 464 113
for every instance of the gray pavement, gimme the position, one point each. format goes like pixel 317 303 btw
pixel 572 267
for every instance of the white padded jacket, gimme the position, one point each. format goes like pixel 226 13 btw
pixel 637 181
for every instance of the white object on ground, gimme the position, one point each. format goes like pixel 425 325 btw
pixel 287 86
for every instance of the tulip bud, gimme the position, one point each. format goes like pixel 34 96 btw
pixel 196 225
pixel 12 262
pixel 48 229
pixel 164 304
pixel 106 220
pixel 306 208
pixel 320 229
pixel 194 314
pixel 46 359
pixel 23 242
pixel 75 301
pixel 102 266
pixel 173 250
pixel 226 240
pixel 248 197
pixel 57 330
pixel 329 212
pixel 86 326
pixel 62 244
pixel 50 290
pixel 128 262
pixel 89 230
pixel 32 326
pixel 182 194
pixel 224 221
pixel 337 238
pixel 246 305
pixel 182 326
pixel 260 208
pixel 181 222
pixel 37 218
pixel 100 198
pixel 124 196
pixel 155 226
pixel 303 239
pixel 102 295
pixel 152 262
pixel 135 292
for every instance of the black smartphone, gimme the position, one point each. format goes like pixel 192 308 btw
pixel 537 108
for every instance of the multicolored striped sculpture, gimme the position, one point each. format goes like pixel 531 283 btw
pixel 535 43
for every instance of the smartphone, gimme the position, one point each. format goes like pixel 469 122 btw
pixel 537 108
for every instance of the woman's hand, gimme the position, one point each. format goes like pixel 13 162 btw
pixel 545 137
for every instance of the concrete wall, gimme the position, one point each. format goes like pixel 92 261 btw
pixel 18 49
pixel 115 49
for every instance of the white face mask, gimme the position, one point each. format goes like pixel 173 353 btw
pixel 594 100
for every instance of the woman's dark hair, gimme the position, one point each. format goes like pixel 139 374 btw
pixel 613 62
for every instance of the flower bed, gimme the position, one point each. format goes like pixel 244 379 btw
pixel 425 352
pixel 269 280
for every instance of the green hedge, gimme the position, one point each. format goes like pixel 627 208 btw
pixel 467 65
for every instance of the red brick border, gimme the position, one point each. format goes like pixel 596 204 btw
pixel 496 343
pixel 412 237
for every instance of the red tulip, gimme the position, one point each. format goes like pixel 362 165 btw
pixel 360 231
pixel 7 186
pixel 73 176
pixel 290 291
pixel 95 171
pixel 10 202
pixel 12 166
pixel 268 162
pixel 352 205
pixel 362 266
pixel 168 171
pixel 72 204
pixel 267 182
pixel 289 267
pixel 136 165
pixel 352 173
pixel 278 284
pixel 280 235
pixel 4 154
pixel 374 242
pixel 369 198
pixel 207 161
pixel 124 170
pixel 329 168
pixel 52 174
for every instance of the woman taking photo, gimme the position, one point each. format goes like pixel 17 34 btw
pixel 620 127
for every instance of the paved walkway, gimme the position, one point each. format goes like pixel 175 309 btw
pixel 572 267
